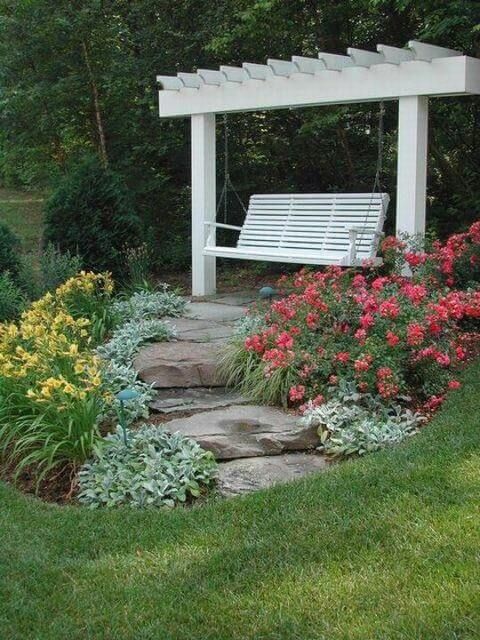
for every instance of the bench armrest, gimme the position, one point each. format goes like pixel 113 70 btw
pixel 220 225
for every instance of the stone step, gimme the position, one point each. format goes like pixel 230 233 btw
pixel 215 311
pixel 251 474
pixel 180 364
pixel 194 399
pixel 193 330
pixel 246 431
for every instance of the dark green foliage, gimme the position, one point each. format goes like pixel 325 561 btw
pixel 91 214
pixel 12 299
pixel 9 251
pixel 57 267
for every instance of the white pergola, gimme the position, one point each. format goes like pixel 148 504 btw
pixel 410 75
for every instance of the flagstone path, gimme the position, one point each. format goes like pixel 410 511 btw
pixel 256 446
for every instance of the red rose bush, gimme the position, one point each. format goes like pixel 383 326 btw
pixel 388 336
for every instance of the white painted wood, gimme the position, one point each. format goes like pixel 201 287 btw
pixel 412 164
pixel 212 77
pixel 234 74
pixel 395 55
pixel 257 71
pixel 336 62
pixel 281 67
pixel 170 83
pixel 309 66
pixel 203 202
pixel 429 52
pixel 365 58
pixel 191 80
pixel 444 76
pixel 310 228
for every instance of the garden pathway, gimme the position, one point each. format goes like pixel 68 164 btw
pixel 256 446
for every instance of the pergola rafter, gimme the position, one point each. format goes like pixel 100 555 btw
pixel 410 75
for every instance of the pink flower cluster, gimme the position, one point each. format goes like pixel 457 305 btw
pixel 388 333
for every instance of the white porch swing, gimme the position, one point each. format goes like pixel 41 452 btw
pixel 306 228
pixel 338 229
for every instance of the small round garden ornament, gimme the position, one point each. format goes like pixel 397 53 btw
pixel 125 395
pixel 267 293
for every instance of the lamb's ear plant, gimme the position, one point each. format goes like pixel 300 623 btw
pixel 152 468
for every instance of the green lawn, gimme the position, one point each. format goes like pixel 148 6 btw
pixel 22 212
pixel 380 548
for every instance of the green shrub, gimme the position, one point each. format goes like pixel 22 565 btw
pixel 91 214
pixel 57 267
pixel 12 300
pixel 9 251
pixel 152 469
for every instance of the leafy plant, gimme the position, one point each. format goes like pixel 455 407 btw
pixel 12 299
pixel 139 260
pixel 127 339
pixel 117 377
pixel 57 267
pixel 9 251
pixel 355 423
pixel 91 214
pixel 149 304
pixel 153 469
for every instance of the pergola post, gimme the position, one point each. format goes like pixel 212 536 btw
pixel 412 164
pixel 203 202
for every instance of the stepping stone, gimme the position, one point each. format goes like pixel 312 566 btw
pixel 180 364
pixel 173 400
pixel 237 299
pixel 214 311
pixel 246 431
pixel 251 474
pixel 201 330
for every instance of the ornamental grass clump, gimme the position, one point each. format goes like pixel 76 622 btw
pixel 386 333
pixel 153 468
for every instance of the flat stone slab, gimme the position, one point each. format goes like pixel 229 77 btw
pixel 214 311
pixel 246 431
pixel 193 399
pixel 239 299
pixel 180 364
pixel 195 330
pixel 251 474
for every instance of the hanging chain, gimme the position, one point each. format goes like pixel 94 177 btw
pixel 227 182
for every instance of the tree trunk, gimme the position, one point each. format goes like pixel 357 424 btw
pixel 96 106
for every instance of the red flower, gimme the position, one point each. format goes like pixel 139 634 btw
pixel 342 356
pixel 296 393
pixel 367 321
pixel 415 259
pixel 461 353
pixel 284 340
pixel 360 335
pixel 454 384
pixel 392 339
pixel 254 343
pixel 311 320
pixel 415 334
pixel 390 308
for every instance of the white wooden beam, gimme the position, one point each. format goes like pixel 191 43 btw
pixel 442 77
pixel 170 83
pixel 282 67
pixel 209 76
pixel 430 52
pixel 190 80
pixel 257 71
pixel 234 74
pixel 395 55
pixel 336 62
pixel 308 65
pixel 365 58
pixel 412 164
pixel 203 201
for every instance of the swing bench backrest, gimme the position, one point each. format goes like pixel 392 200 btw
pixel 316 228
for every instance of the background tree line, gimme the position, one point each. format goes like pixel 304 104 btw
pixel 78 79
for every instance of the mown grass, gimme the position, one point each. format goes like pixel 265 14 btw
pixel 22 212
pixel 387 547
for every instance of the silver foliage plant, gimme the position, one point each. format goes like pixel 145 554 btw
pixel 150 304
pixel 129 337
pixel 353 423
pixel 152 469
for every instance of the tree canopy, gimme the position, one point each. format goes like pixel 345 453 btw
pixel 78 77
